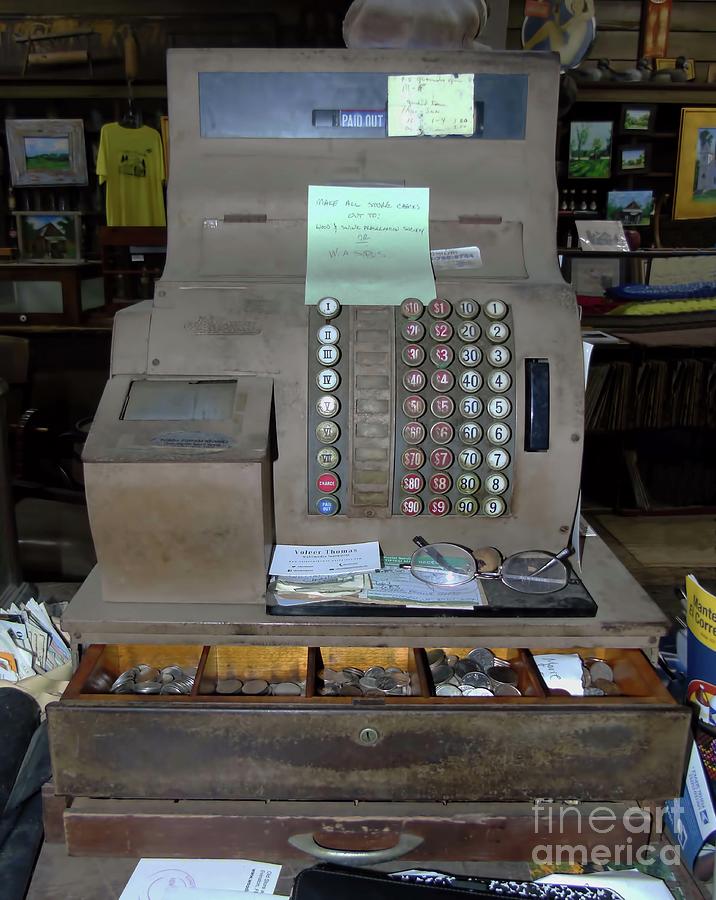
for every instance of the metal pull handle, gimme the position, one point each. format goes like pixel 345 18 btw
pixel 306 843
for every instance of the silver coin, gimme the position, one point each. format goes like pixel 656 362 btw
pixel 255 687
pixel 436 657
pixel 441 673
pixel 351 690
pixel 286 689
pixel 400 690
pixel 451 659
pixel 228 686
pixel 183 686
pixel 483 657
pixel 147 675
pixel 171 687
pixel 502 662
pixel 463 666
pixel 147 687
pixel 329 675
pixel 477 692
pixel 173 671
pixel 401 678
pixel 447 690
pixel 386 683
pixel 600 669
pixel 368 683
pixel 477 680
pixel 503 674
pixel 353 670
pixel 453 679
pixel 392 670
pixel 126 687
pixel 593 692
pixel 125 678
pixel 506 690
pixel 375 671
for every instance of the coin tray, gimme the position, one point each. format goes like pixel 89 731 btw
pixel 102 663
pixel 633 674
pixel 273 664
pixel 529 682
pixel 411 660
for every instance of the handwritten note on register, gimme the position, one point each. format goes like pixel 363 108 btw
pixel 431 104
pixel 368 245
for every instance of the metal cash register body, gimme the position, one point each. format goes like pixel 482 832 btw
pixel 210 445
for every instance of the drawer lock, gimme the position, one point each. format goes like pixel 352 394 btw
pixel 369 736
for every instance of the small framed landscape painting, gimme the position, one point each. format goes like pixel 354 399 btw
pixel 638 118
pixel 46 151
pixel 49 237
pixel 634 158
pixel 590 150
pixel 630 207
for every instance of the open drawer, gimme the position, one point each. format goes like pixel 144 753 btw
pixel 310 746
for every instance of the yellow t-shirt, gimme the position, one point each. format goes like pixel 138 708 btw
pixel 131 161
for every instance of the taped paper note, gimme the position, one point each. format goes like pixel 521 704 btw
pixel 368 246
pixel 431 104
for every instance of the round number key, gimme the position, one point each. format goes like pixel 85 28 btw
pixel 499 407
pixel 499 356
pixel 498 332
pixel 329 307
pixel 413 433
pixel 413 355
pixel 469 459
pixel 414 406
pixel 493 507
pixel 439 506
pixel 327 506
pixel 469 332
pixel 327 432
pixel 440 483
pixel 470 381
pixel 439 308
pixel 469 355
pixel 467 308
pixel 328 457
pixel 442 380
pixel 499 433
pixel 414 380
pixel 498 459
pixel 441 331
pixel 328 334
pixel 328 354
pixel 411 506
pixel 442 433
pixel 412 483
pixel 497 483
pixel 441 355
pixel 466 506
pixel 495 309
pixel 413 331
pixel 327 406
pixel 413 458
pixel 327 483
pixel 441 458
pixel 471 407
pixel 442 407
pixel 411 308
pixel 499 382
pixel 467 483
pixel 328 379
pixel 470 433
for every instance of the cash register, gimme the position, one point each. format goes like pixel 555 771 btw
pixel 243 412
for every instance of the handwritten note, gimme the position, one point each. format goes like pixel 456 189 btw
pixel 561 671
pixel 431 105
pixel 368 246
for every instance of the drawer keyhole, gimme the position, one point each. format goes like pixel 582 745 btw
pixel 368 736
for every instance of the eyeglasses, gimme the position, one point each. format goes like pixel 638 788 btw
pixel 529 571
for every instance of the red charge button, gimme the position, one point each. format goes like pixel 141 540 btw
pixel 327 483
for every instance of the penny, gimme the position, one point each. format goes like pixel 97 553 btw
pixel 256 687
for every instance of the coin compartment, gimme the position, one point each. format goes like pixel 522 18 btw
pixel 409 659
pixel 529 682
pixel 103 663
pixel 634 675
pixel 245 662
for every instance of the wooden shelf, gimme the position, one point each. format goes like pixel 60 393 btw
pixel 641 92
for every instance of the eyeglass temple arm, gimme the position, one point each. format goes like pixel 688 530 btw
pixel 563 554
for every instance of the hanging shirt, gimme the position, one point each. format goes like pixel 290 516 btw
pixel 131 161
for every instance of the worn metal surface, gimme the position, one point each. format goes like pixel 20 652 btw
pixel 588 752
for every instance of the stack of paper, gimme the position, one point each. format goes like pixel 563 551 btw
pixel 30 644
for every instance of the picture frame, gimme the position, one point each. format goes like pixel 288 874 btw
pixel 695 192
pixel 590 150
pixel 592 277
pixel 633 159
pixel 637 118
pixel 46 151
pixel 631 208
pixel 50 237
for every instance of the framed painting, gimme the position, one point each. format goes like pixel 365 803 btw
pixel 633 159
pixel 46 151
pixel 695 194
pixel 631 207
pixel 49 237
pixel 590 150
pixel 637 118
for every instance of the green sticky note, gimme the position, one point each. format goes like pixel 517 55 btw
pixel 431 105
pixel 368 246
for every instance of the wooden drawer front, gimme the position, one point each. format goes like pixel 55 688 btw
pixel 406 748
pixel 370 832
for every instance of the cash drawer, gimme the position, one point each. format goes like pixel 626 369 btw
pixel 315 746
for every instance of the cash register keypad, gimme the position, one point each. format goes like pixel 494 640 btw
pixel 454 450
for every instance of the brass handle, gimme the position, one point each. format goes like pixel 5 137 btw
pixel 306 843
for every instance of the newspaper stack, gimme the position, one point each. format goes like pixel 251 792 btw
pixel 30 644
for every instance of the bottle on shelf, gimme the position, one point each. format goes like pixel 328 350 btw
pixel 563 203
pixel 573 199
pixel 583 200
pixel 593 200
